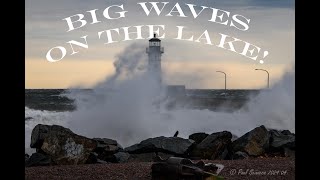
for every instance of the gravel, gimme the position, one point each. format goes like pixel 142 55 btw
pixel 259 168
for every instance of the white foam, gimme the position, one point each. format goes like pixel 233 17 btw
pixel 132 113
pixel 42 117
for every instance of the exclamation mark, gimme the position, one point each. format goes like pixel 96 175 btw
pixel 265 53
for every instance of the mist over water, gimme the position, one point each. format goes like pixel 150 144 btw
pixel 130 106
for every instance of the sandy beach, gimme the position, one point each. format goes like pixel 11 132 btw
pixel 273 168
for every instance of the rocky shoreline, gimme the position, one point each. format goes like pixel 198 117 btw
pixel 56 145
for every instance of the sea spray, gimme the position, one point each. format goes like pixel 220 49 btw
pixel 129 107
pixel 275 108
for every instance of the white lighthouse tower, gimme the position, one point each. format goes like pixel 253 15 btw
pixel 154 52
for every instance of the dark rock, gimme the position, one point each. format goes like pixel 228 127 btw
pixel 171 145
pixel 109 145
pixel 161 157
pixel 181 168
pixel 164 156
pixel 240 155
pixel 38 159
pixel 213 146
pixel 106 148
pixel 40 132
pixel 198 137
pixel 62 145
pixel 234 137
pixel 224 154
pixel 254 143
pixel 289 153
pixel 99 161
pixel 26 158
pixel 40 151
pixel 103 142
pixel 281 143
pixel 108 157
pixel 280 140
pixel 121 157
pixel 92 159
pixel 286 132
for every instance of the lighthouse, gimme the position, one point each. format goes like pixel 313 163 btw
pixel 154 52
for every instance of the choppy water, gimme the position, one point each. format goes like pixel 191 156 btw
pixel 52 106
pixel 57 101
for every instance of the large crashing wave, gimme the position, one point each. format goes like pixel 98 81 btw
pixel 129 107
pixel 132 112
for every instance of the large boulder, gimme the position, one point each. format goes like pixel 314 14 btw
pixel 198 137
pixel 38 159
pixel 281 143
pixel 254 143
pixel 281 139
pixel 214 146
pixel 62 145
pixel 40 132
pixel 171 145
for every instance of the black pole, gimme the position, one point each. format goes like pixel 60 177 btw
pixel 268 75
pixel 225 79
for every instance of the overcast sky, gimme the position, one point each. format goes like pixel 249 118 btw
pixel 272 27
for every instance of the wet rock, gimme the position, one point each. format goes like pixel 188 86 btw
pixel 26 158
pixel 224 154
pixel 286 132
pixel 92 159
pixel 198 137
pixel 106 148
pixel 99 161
pixel 289 153
pixel 254 143
pixel 121 157
pixel 63 146
pixel 234 137
pixel 280 140
pixel 38 159
pixel 240 155
pixel 40 132
pixel 171 145
pixel 106 144
pixel 214 146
